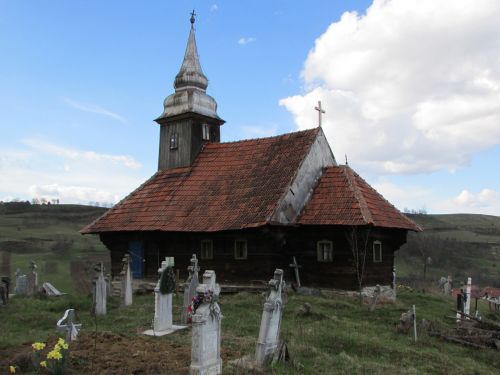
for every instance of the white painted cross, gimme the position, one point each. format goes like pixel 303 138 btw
pixel 296 267
pixel 320 112
pixel 70 327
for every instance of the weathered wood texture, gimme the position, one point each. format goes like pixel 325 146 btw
pixel 268 248
pixel 190 140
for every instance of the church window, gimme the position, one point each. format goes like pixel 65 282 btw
pixel 206 132
pixel 207 249
pixel 377 251
pixel 325 251
pixel 173 141
pixel 240 249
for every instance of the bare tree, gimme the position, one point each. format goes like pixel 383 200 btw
pixel 358 237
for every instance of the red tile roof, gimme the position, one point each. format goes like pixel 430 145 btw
pixel 229 186
pixel 342 197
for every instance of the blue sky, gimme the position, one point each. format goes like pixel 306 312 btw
pixel 413 103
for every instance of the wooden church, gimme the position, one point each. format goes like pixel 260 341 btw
pixel 248 207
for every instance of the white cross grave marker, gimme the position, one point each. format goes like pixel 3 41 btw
pixel 271 321
pixel 66 324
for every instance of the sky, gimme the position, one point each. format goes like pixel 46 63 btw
pixel 411 90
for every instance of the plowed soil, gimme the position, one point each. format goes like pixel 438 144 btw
pixel 111 353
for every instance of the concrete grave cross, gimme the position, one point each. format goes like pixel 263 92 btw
pixel 206 334
pixel 296 267
pixel 190 287
pixel 32 279
pixel 100 291
pixel 271 321
pixel 67 324
pixel 126 287
pixel 21 283
pixel 162 321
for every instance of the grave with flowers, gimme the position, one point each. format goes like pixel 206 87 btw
pixel 205 316
pixel 163 322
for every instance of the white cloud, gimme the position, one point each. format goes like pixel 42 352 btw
pixel 412 86
pixel 245 40
pixel 69 153
pixel 411 197
pixel 487 201
pixel 214 8
pixel 92 108
pixel 74 194
pixel 259 131
pixel 52 171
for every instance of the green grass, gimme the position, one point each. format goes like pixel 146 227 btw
pixel 340 336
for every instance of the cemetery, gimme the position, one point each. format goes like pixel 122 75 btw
pixel 277 331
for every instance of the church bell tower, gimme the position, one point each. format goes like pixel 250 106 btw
pixel 190 115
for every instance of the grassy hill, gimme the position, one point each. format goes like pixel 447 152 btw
pixel 459 245
pixel 49 235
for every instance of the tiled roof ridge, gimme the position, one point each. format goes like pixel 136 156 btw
pixel 358 195
pixel 408 220
pixel 312 130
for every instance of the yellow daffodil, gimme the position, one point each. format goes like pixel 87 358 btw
pixel 57 347
pixel 38 346
pixel 43 364
pixel 54 354
pixel 65 346
pixel 61 341
pixel 12 369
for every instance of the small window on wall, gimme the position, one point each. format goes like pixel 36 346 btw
pixel 325 251
pixel 206 132
pixel 377 251
pixel 240 249
pixel 207 249
pixel 173 141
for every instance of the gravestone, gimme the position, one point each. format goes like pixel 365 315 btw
pixel 394 285
pixel 67 325
pixel 271 321
pixel 447 286
pixel 126 275
pixel 32 280
pixel 206 334
pixel 375 298
pixel 4 289
pixel 51 290
pixel 467 297
pixel 296 267
pixel 162 322
pixel 190 288
pixel 100 291
pixel 21 284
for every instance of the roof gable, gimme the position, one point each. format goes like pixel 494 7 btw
pixel 342 197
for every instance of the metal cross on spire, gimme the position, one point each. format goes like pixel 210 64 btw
pixel 320 112
pixel 193 15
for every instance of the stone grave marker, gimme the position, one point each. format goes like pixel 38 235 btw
pixel 447 286
pixel 32 280
pixel 162 322
pixel 296 267
pixel 206 334
pixel 126 288
pixel 467 297
pixel 394 285
pixel 21 284
pixel 100 291
pixel 51 290
pixel 67 325
pixel 190 286
pixel 271 321
pixel 4 289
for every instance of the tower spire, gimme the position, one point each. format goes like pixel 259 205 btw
pixel 191 74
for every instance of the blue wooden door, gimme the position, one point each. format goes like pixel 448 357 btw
pixel 136 251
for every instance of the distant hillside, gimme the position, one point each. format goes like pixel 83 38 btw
pixel 461 245
pixel 49 235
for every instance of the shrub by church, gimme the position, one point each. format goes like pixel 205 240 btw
pixel 246 208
